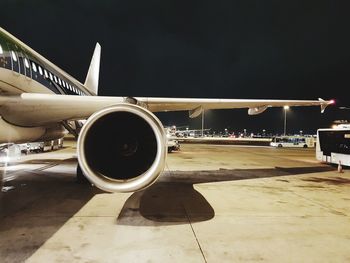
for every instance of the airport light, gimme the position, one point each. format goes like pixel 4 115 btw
pixel 286 108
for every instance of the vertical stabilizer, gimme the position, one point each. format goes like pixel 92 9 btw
pixel 91 81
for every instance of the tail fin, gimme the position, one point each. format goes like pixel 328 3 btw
pixel 91 81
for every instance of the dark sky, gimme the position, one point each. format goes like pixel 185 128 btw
pixel 214 49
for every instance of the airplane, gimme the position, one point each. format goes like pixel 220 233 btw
pixel 38 100
pixel 174 131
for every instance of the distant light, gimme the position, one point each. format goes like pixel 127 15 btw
pixel 286 107
pixel 332 102
pixel 334 126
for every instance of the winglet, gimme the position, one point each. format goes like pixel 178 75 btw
pixel 324 104
pixel 91 81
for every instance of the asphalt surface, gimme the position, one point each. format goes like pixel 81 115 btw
pixel 213 203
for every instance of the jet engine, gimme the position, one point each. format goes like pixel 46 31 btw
pixel 122 148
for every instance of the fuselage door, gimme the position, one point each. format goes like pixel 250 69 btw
pixel 27 66
pixel 14 58
pixel 20 62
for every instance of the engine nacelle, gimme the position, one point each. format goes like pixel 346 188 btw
pixel 122 148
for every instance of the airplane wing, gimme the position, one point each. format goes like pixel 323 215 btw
pixel 196 106
pixel 30 109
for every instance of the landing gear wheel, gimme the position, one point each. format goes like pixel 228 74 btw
pixel 81 179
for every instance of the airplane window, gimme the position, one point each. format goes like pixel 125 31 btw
pixel 33 66
pixel 1 51
pixel 51 76
pixel 26 62
pixel 40 70
pixel 14 57
pixel 46 75
pixel 59 81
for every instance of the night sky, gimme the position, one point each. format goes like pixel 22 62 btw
pixel 213 49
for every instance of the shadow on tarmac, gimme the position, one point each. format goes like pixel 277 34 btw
pixel 37 204
pixel 173 199
pixel 43 201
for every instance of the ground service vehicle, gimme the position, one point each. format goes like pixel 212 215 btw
pixel 333 145
pixel 292 141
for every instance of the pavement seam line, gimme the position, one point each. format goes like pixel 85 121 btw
pixel 195 236
pixel 320 204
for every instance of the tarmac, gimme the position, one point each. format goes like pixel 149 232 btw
pixel 224 203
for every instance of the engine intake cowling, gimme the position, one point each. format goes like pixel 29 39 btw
pixel 122 148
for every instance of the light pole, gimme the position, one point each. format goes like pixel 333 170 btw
pixel 285 118
pixel 203 122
